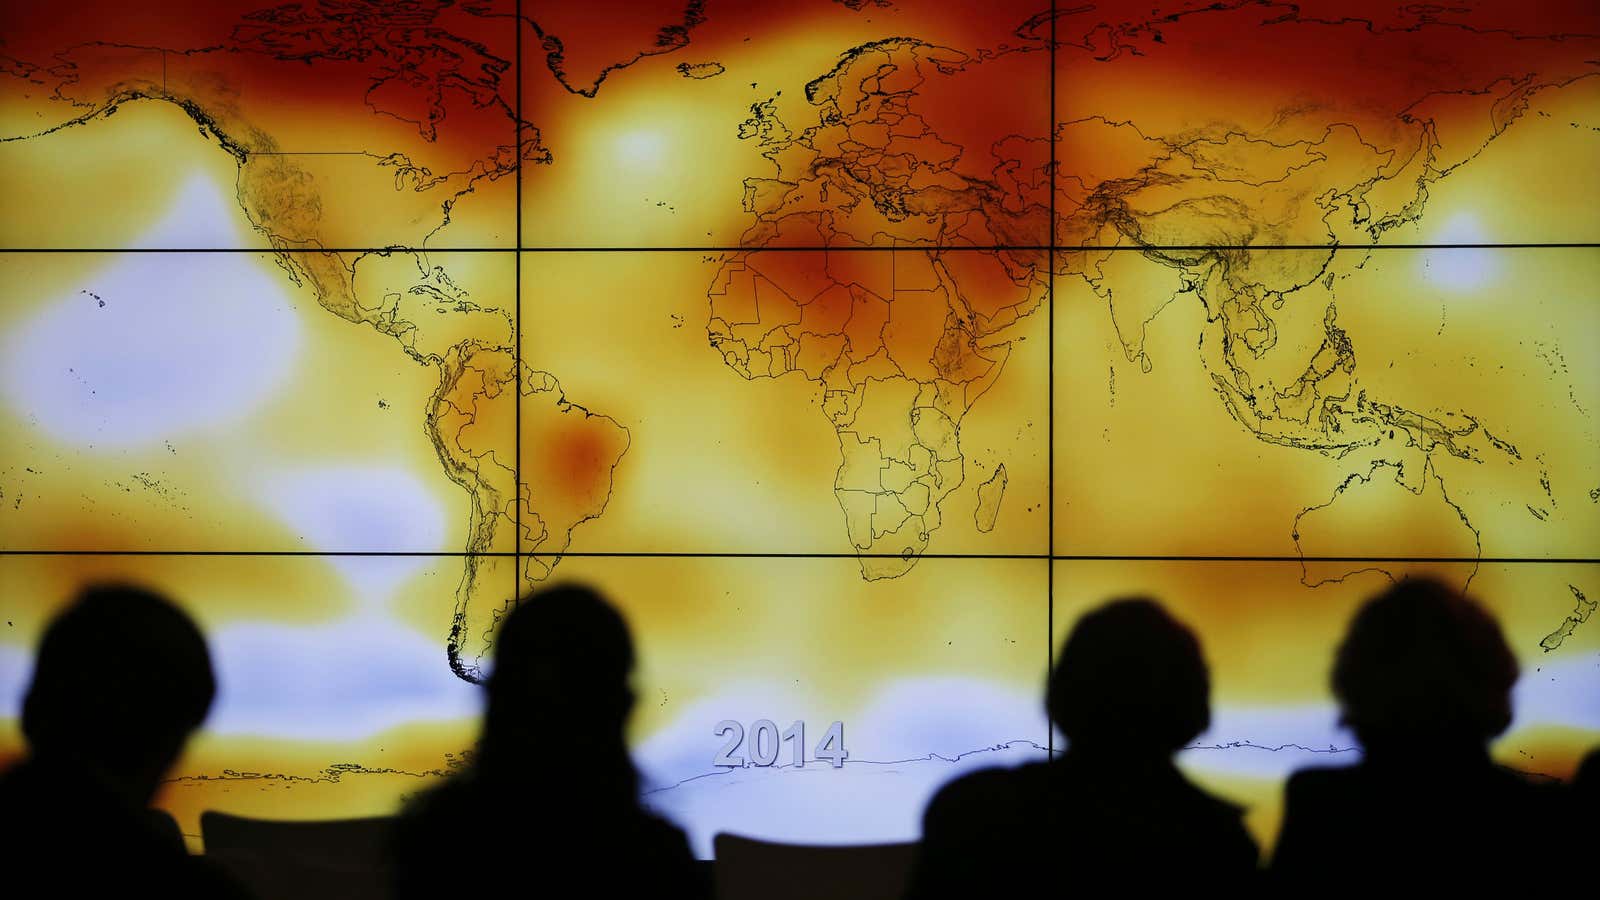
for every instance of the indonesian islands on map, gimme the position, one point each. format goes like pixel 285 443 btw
pixel 795 327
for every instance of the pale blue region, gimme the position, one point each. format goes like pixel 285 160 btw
pixel 1461 268
pixel 684 748
pixel 356 508
pixel 947 716
pixel 906 719
pixel 1564 692
pixel 201 216
pixel 183 343
pixel 360 509
pixel 1270 741
pixel 865 802
pixel 913 737
pixel 343 681
pixel 16 667
pixel 899 757
pixel 347 680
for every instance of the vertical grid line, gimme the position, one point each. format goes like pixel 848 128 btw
pixel 1050 392
pixel 516 332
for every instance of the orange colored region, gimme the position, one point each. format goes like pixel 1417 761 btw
pixel 569 456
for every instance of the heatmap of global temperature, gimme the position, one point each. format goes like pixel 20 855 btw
pixel 854 348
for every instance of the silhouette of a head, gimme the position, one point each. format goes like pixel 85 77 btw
pixel 1130 677
pixel 1424 664
pixel 562 668
pixel 121 679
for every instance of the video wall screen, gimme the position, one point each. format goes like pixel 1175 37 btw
pixel 853 348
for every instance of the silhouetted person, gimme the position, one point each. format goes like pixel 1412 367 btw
pixel 121 680
pixel 550 804
pixel 1424 680
pixel 1585 806
pixel 1586 783
pixel 1130 689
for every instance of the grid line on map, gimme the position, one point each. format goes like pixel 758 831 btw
pixel 516 331
pixel 874 248
pixel 1050 393
pixel 757 554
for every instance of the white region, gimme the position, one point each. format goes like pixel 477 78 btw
pixel 864 802
pixel 365 673
pixel 1559 694
pixel 947 716
pixel 201 215
pixel 910 738
pixel 684 747
pixel 356 508
pixel 905 719
pixel 1460 268
pixel 1270 741
pixel 155 345
pixel 642 147
pixel 16 670
pixel 343 681
pixel 901 752
pixel 1564 693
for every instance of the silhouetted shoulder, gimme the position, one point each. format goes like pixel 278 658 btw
pixel 972 838
pixel 1346 785
pixel 1311 790
pixel 1588 777
pixel 1449 824
pixel 667 845
pixel 1330 782
pixel 1004 830
pixel 466 824
pixel 1583 804
pixel 57 818
pixel 970 798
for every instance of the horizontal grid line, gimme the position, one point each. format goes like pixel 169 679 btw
pixel 938 248
pixel 666 554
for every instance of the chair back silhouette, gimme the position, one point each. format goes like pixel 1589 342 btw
pixel 747 869
pixel 296 860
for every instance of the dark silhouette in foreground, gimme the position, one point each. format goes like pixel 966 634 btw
pixel 1586 783
pixel 121 680
pixel 550 804
pixel 1585 809
pixel 1424 680
pixel 1129 690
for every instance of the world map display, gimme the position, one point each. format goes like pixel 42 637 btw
pixel 854 348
